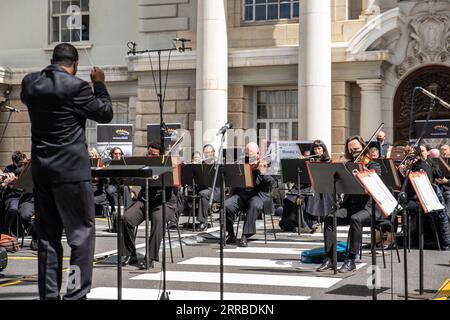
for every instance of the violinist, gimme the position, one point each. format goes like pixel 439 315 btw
pixel 251 200
pixel 354 211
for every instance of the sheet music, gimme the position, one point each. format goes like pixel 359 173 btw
pixel 425 192
pixel 378 190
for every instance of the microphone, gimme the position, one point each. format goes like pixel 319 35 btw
pixel 11 109
pixel 182 39
pixel 434 97
pixel 222 130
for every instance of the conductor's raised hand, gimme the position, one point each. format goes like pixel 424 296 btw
pixel 97 75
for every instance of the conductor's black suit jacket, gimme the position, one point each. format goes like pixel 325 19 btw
pixel 59 104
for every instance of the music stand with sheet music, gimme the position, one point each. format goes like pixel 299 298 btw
pixel 334 178
pixel 429 202
pixel 295 171
pixel 383 198
pixel 389 173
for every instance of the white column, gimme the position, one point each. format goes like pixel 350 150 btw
pixel 315 71
pixel 212 68
pixel 371 114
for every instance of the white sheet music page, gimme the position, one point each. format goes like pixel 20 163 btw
pixel 425 192
pixel 378 190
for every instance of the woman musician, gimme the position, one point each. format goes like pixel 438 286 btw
pixel 354 211
pixel 319 205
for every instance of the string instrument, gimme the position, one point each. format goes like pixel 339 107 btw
pixel 364 156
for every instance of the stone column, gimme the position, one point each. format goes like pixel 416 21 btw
pixel 212 69
pixel 371 115
pixel 315 71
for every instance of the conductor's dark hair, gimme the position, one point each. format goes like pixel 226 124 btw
pixel 64 54
pixel 154 145
pixel 320 143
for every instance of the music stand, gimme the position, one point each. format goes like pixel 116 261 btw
pixel 232 175
pixel 334 178
pixel 389 173
pixel 187 179
pixel 443 166
pixel 429 203
pixel 296 171
pixel 383 198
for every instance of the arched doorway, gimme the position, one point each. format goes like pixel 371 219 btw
pixel 434 78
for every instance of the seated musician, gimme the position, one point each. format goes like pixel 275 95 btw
pixel 354 211
pixel 422 162
pixel 319 205
pixel 444 183
pixel 98 185
pixel 135 215
pixel 111 188
pixel 249 200
pixel 209 157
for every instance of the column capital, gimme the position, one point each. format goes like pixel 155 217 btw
pixel 370 84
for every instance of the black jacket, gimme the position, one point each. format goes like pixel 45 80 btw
pixel 59 104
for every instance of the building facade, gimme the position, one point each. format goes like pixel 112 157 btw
pixel 310 69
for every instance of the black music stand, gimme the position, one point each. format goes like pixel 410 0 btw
pixel 335 178
pixel 120 172
pixel 442 164
pixel 162 167
pixel 187 179
pixel 389 173
pixel 295 171
pixel 226 175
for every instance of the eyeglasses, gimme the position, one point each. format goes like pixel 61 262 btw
pixel 118 153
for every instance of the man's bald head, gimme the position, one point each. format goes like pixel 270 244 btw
pixel 252 152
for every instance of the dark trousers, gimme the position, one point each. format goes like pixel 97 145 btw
pixel 11 212
pixel 203 204
pixel 135 215
pixel 68 206
pixel 253 206
pixel 357 218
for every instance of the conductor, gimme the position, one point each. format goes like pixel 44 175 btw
pixel 58 105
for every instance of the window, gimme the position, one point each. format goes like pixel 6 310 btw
pixel 277 114
pixel 120 117
pixel 269 10
pixel 70 21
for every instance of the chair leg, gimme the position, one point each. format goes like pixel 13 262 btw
pixel 264 223
pixel 237 227
pixel 382 247
pixel 395 242
pixel 435 232
pixel 170 244
pixel 108 216
pixel 181 243
pixel 409 234
pixel 273 228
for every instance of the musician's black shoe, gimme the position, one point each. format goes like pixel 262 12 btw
pixel 171 225
pixel 243 242
pixel 130 260
pixel 143 266
pixel 348 266
pixel 231 239
pixel 202 227
pixel 327 264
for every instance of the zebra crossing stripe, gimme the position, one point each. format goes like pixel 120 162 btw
pixel 244 278
pixel 110 293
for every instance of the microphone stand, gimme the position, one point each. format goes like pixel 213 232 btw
pixel 161 94
pixel 2 104
pixel 217 166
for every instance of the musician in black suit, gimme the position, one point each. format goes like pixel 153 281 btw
pixel 135 215
pixel 59 105
pixel 251 200
pixel 354 211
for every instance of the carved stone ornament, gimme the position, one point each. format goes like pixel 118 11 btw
pixel 429 35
